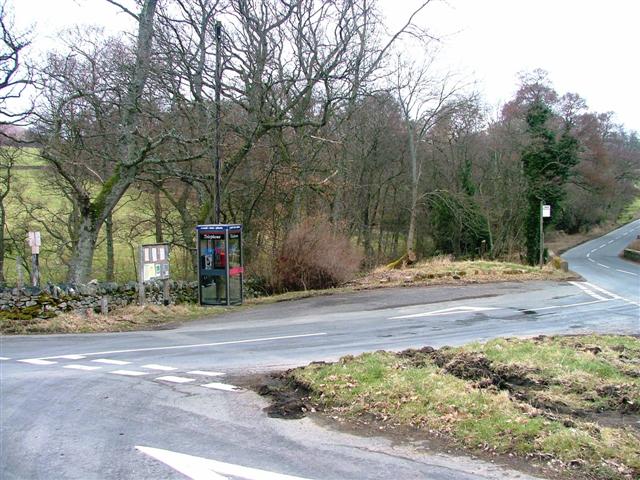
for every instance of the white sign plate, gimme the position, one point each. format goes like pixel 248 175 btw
pixel 546 211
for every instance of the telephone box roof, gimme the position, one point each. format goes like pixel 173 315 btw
pixel 219 227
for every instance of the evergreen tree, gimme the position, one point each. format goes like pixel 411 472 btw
pixel 547 163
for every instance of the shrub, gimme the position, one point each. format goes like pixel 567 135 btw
pixel 315 255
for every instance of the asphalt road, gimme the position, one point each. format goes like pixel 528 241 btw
pixel 149 405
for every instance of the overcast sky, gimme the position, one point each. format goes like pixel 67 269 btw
pixel 589 47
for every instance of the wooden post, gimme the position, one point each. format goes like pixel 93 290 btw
pixel 166 299
pixel 141 276
pixel 35 270
pixel 19 272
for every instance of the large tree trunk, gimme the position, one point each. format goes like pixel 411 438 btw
pixel 82 261
pixel 94 213
pixel 157 213
pixel 2 248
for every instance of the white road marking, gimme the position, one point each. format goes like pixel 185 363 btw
pixel 198 468
pixel 446 311
pixel 173 379
pixel 592 260
pixel 111 362
pixel 129 373
pixel 572 305
pixel 197 345
pixel 206 373
pixel 37 361
pixel 624 271
pixel 603 266
pixel 72 357
pixel 5 358
pixel 153 366
pixel 602 290
pixel 610 242
pixel 589 255
pixel 583 286
pixel 222 386
pixel 81 367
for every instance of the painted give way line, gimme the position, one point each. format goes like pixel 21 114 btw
pixel 198 468
pixel 196 345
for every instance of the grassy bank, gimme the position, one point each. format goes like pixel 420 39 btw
pixel 566 404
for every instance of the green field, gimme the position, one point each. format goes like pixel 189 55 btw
pixel 34 203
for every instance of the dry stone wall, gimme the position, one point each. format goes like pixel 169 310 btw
pixel 51 300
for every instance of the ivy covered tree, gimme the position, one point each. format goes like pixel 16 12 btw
pixel 547 163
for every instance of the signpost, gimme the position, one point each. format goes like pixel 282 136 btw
pixel 34 242
pixel 545 212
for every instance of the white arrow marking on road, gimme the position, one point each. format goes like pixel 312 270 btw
pixel 446 311
pixel 198 468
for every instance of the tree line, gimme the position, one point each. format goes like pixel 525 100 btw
pixel 321 117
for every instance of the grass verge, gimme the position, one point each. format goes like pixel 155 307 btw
pixel 561 402
pixel 121 320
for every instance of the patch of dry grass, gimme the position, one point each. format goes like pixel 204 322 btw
pixel 444 270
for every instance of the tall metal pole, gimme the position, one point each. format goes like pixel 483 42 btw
pixel 218 30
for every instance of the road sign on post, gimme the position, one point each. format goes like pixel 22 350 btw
pixel 546 211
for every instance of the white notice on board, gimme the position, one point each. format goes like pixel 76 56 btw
pixel 146 254
pixel 161 253
pixel 154 255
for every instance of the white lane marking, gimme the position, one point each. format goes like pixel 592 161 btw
pixel 82 367
pixel 172 379
pixel 571 305
pixel 603 266
pixel 206 373
pixel 583 286
pixel 616 297
pixel 153 366
pixel 222 386
pixel 445 311
pixel 592 260
pixel 111 362
pixel 37 361
pixel 72 357
pixel 610 242
pixel 589 255
pixel 5 358
pixel 129 373
pixel 602 290
pixel 197 345
pixel 624 271
pixel 199 468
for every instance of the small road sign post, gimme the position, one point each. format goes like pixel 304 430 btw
pixel 545 212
